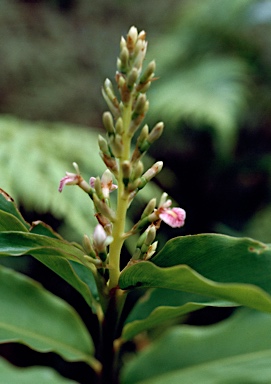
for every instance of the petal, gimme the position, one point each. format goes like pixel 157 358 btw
pixel 92 182
pixel 107 178
pixel 69 179
pixel 99 237
pixel 173 217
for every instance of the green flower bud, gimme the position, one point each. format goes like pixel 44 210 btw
pixel 138 169
pixel 156 132
pixel 131 40
pixel 140 106
pixel 132 78
pixel 150 173
pixel 126 171
pixel 103 208
pixel 148 73
pixel 119 126
pixel 122 43
pixel 98 188
pixel 124 59
pixel 103 145
pixel 88 246
pixel 116 145
pixel 149 208
pixel 108 122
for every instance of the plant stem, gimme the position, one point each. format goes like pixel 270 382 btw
pixel 122 203
pixel 108 354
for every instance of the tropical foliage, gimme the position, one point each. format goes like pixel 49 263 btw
pixel 214 95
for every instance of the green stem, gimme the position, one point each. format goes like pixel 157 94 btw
pixel 122 204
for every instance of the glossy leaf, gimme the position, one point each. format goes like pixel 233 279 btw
pixel 10 374
pixel 237 350
pixel 8 222
pixel 218 266
pixel 10 217
pixel 16 243
pixel 35 317
pixel 41 228
pixel 77 275
pixel 160 305
pixel 57 254
pixel 7 205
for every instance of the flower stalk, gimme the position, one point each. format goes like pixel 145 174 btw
pixel 127 110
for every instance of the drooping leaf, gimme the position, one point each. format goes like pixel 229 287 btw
pixel 14 243
pixel 77 275
pixel 219 257
pixel 41 228
pixel 10 374
pixel 62 257
pixel 35 317
pixel 8 206
pixel 160 305
pixel 232 269
pixel 237 350
pixel 9 222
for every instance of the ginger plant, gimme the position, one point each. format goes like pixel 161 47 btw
pixel 154 288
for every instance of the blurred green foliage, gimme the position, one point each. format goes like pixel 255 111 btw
pixel 55 58
pixel 215 67
pixel 33 158
pixel 214 94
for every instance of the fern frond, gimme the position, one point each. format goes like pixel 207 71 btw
pixel 211 92
pixel 34 156
pixel 206 67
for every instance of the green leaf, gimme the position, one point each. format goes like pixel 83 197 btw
pixel 219 257
pixel 19 243
pixel 160 305
pixel 237 350
pixel 77 275
pixel 56 254
pixel 10 374
pixel 8 222
pixel 7 205
pixel 41 228
pixel 35 317
pixel 232 269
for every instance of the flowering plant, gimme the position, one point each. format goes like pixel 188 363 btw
pixel 154 288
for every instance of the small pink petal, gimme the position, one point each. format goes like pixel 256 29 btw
pixel 174 217
pixel 92 182
pixel 69 179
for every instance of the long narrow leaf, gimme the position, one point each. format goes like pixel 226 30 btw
pixel 10 374
pixel 162 305
pixel 7 205
pixel 57 254
pixel 237 350
pixel 20 243
pixel 35 317
pixel 218 266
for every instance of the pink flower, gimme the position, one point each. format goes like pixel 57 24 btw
pixel 174 217
pixel 74 179
pixel 106 183
pixel 69 179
